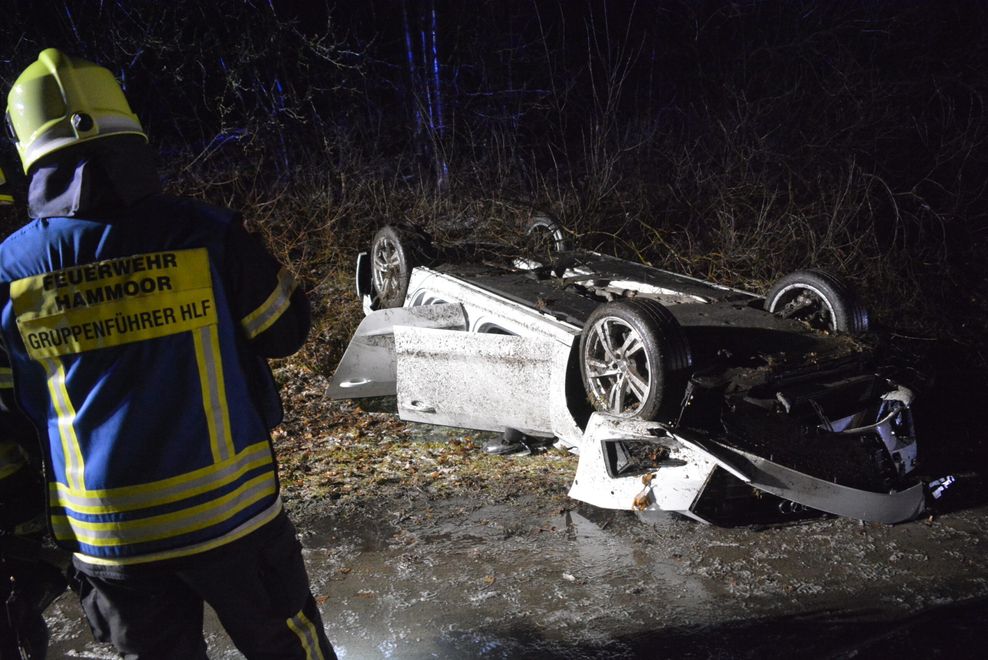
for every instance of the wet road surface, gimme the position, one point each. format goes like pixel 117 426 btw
pixel 528 576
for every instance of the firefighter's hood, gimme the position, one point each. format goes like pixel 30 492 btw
pixel 97 178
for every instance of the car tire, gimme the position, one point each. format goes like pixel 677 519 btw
pixel 544 235
pixel 635 360
pixel 819 299
pixel 395 251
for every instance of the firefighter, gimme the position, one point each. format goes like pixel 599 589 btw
pixel 6 198
pixel 20 498
pixel 30 574
pixel 137 326
pixel 28 583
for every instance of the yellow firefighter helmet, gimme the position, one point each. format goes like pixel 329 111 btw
pixel 60 101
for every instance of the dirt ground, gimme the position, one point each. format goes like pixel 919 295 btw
pixel 420 545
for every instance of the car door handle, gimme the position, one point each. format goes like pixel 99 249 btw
pixel 355 382
pixel 421 406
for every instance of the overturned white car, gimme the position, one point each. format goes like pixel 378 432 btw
pixel 679 395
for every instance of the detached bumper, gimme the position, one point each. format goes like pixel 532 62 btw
pixel 684 472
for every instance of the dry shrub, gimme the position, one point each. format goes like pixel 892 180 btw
pixel 732 141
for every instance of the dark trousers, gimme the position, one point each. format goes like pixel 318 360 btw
pixel 257 586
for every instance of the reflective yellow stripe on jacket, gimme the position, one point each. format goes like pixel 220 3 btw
pixel 137 515
pixel 166 491
pixel 155 528
pixel 11 458
pixel 6 378
pixel 271 309
pixel 71 453
pixel 242 530
pixel 214 404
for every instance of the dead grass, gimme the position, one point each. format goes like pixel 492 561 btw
pixel 337 451
pixel 917 268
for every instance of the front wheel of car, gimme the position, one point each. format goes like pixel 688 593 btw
pixel 395 251
pixel 635 360
pixel 819 299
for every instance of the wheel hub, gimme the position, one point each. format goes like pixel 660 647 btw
pixel 618 369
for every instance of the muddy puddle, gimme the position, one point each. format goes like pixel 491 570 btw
pixel 536 577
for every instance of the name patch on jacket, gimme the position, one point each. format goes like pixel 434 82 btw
pixel 114 302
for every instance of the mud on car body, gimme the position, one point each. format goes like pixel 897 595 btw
pixel 678 394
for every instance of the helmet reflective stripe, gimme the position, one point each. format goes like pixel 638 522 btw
pixel 59 101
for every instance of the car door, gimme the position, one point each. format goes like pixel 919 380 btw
pixel 368 365
pixel 481 380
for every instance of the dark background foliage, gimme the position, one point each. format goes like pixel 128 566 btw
pixel 733 140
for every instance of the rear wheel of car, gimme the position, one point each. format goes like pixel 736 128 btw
pixel 819 299
pixel 635 360
pixel 395 251
pixel 544 235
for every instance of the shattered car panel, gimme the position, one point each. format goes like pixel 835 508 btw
pixel 683 466
pixel 773 409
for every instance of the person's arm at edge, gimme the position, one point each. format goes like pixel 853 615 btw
pixel 273 310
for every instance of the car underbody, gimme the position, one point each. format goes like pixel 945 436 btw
pixel 762 415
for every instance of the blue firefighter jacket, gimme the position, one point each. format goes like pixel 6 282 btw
pixel 136 342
